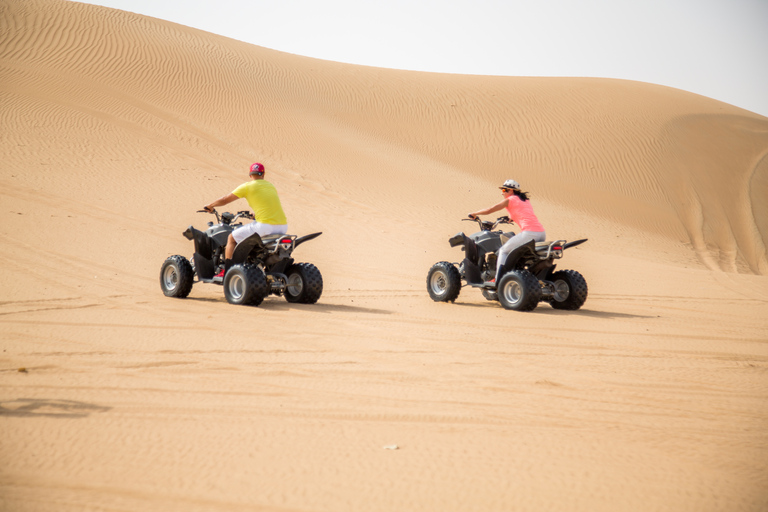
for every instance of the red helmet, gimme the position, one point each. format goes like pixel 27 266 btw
pixel 257 169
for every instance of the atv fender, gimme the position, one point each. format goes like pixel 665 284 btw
pixel 203 266
pixel 574 243
pixel 527 249
pixel 471 272
pixel 244 248
pixel 458 239
pixel 471 250
pixel 306 238
pixel 202 242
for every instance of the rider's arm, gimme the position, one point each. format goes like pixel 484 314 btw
pixel 494 208
pixel 221 201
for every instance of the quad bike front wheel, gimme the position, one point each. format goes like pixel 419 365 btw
pixel 443 282
pixel 304 284
pixel 245 285
pixel 519 290
pixel 176 277
pixel 570 290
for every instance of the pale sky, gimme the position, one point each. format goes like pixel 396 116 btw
pixel 716 48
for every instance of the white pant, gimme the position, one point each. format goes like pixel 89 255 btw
pixel 244 232
pixel 515 242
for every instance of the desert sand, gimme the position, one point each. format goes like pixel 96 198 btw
pixel 117 127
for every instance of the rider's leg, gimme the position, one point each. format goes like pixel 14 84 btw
pixel 234 238
pixel 515 242
pixel 229 250
pixel 501 257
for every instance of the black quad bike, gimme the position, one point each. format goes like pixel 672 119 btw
pixel 526 278
pixel 260 266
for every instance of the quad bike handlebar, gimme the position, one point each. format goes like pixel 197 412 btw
pixel 487 225
pixel 228 218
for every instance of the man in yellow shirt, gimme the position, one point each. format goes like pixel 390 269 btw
pixel 268 212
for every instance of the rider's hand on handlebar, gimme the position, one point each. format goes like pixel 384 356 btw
pixel 472 216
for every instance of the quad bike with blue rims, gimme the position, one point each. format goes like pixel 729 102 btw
pixel 260 266
pixel 529 275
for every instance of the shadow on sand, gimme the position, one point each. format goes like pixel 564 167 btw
pixel 545 309
pixel 37 407
pixel 277 304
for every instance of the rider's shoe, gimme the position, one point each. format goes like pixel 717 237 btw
pixel 222 270
pixel 490 284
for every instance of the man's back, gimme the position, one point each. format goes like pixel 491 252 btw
pixel 263 199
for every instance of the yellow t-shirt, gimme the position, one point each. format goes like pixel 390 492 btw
pixel 262 198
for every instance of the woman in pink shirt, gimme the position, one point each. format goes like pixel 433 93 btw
pixel 521 212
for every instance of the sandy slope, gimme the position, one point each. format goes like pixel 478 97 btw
pixel 117 127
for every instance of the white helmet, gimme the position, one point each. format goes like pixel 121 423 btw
pixel 511 184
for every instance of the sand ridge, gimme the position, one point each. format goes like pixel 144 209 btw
pixel 117 127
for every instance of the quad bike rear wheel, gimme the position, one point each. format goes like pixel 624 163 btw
pixel 519 290
pixel 176 277
pixel 304 284
pixel 245 285
pixel 443 282
pixel 570 290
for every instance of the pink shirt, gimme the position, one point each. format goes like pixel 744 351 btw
pixel 522 213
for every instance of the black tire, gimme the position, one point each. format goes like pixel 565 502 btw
pixel 304 285
pixel 245 285
pixel 176 277
pixel 443 282
pixel 570 290
pixel 519 290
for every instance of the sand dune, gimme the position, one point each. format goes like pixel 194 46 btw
pixel 117 127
